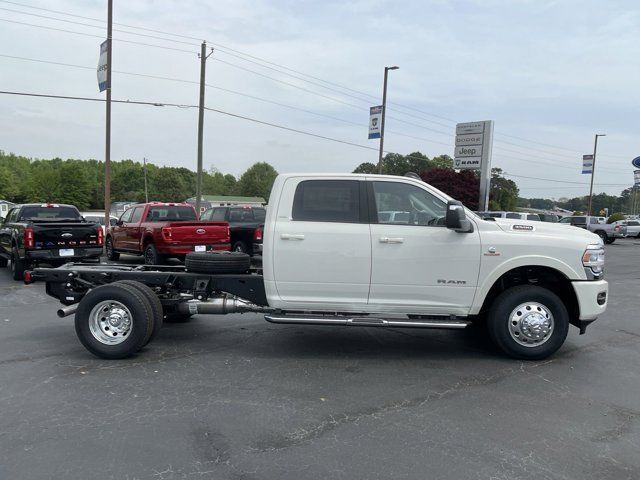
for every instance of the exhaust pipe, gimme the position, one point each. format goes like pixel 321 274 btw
pixel 66 311
pixel 220 306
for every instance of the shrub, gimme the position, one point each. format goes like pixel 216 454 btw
pixel 615 217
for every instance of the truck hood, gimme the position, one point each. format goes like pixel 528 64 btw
pixel 524 227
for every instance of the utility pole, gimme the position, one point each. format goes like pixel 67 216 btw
pixel 384 112
pixel 146 192
pixel 107 147
pixel 203 69
pixel 593 170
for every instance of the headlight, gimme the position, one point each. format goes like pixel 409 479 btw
pixel 593 261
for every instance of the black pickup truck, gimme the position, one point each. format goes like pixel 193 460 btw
pixel 246 225
pixel 47 233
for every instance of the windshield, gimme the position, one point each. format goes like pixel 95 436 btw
pixel 168 213
pixel 50 214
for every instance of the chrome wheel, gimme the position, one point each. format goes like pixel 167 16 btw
pixel 531 324
pixel 110 322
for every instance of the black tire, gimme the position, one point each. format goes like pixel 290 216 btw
pixel 504 307
pixel 240 246
pixel 217 262
pixel 109 251
pixel 18 266
pixel 603 236
pixel 142 321
pixel 3 262
pixel 154 301
pixel 609 241
pixel 151 255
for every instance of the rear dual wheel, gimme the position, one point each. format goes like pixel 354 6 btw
pixel 116 320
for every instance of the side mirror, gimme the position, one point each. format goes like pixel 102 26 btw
pixel 119 223
pixel 456 218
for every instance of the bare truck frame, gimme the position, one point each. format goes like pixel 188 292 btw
pixel 107 298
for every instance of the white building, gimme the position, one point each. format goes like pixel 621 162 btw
pixel 5 206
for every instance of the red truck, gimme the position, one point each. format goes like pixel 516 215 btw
pixel 158 231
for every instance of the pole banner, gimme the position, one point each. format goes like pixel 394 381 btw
pixel 375 121
pixel 102 67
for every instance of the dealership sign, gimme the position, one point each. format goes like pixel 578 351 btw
pixel 636 162
pixel 636 178
pixel 472 151
pixel 587 164
pixel 473 145
pixel 375 121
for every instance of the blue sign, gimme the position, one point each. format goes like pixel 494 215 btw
pixel 636 162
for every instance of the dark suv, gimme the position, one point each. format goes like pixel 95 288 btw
pixel 246 225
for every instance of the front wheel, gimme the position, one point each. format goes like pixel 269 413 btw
pixel 603 236
pixel 528 322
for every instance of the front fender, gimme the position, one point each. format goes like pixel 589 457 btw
pixel 522 261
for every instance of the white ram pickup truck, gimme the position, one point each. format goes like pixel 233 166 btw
pixel 358 250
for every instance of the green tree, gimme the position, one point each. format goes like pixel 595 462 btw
pixel 504 193
pixel 257 180
pixel 441 161
pixel 75 188
pixel 367 167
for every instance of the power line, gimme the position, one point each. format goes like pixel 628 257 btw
pixel 565 181
pixel 447 134
pixel 254 97
pixel 95 36
pixel 261 62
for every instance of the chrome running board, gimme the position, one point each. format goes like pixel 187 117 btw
pixel 366 321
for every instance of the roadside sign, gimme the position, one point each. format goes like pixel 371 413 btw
pixel 472 151
pixel 636 178
pixel 375 121
pixel 636 162
pixel 587 164
pixel 102 67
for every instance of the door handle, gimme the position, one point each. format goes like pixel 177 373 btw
pixel 292 236
pixel 391 240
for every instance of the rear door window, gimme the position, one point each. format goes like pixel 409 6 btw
pixel 137 214
pixel 327 201
pixel 514 215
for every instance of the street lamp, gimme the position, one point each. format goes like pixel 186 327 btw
pixel 593 170
pixel 384 111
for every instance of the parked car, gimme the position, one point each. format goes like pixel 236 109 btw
pixel 98 217
pixel 47 233
pixel 246 225
pixel 513 215
pixel 549 217
pixel 633 227
pixel 161 230
pixel 329 260
pixel 607 232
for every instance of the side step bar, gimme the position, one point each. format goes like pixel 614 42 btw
pixel 444 322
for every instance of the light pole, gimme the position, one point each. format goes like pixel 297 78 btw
pixel 384 111
pixel 593 170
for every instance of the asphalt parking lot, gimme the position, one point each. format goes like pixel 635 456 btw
pixel 237 398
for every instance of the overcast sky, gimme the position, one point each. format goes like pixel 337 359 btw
pixel 551 72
